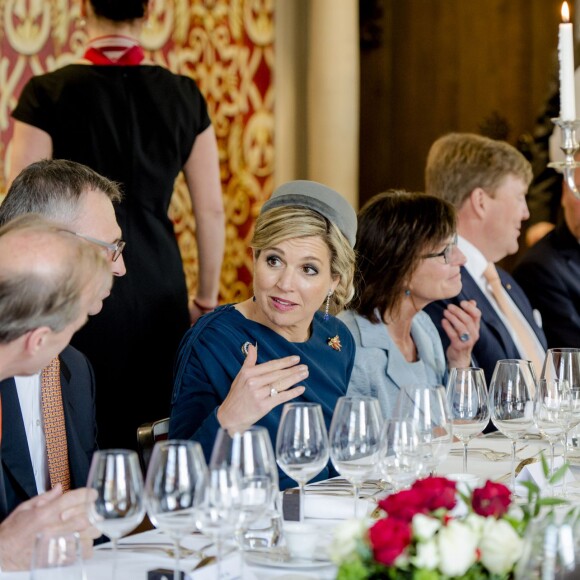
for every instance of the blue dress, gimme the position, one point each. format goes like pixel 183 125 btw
pixel 210 356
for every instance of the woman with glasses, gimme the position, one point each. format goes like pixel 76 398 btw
pixel 407 257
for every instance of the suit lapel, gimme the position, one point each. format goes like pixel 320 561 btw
pixel 15 452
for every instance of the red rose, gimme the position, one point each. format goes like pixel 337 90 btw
pixel 437 492
pixel 493 499
pixel 389 537
pixel 404 504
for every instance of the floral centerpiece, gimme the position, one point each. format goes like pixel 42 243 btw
pixel 432 531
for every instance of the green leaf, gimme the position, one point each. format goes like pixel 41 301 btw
pixel 545 466
pixel 559 474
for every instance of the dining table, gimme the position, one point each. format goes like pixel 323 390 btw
pixel 327 504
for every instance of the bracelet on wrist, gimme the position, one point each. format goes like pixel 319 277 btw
pixel 202 307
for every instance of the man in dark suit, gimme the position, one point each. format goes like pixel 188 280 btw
pixel 82 200
pixel 487 182
pixel 49 281
pixel 549 272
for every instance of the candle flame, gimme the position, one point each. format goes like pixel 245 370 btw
pixel 565 12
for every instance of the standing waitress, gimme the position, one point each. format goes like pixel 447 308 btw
pixel 140 125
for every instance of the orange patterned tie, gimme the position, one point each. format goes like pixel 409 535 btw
pixel 54 427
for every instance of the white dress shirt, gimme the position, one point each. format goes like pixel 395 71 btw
pixel 28 389
pixel 475 266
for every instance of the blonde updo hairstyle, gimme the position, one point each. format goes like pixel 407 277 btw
pixel 288 222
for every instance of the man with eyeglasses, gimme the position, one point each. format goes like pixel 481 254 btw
pixel 80 201
pixel 487 182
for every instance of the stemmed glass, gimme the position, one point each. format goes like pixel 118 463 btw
pixel 551 405
pixel 174 475
pixel 400 461
pixel 427 407
pixel 355 439
pixel 219 500
pixel 468 405
pixel 302 444
pixel 511 402
pixel 116 476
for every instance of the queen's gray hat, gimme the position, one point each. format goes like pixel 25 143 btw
pixel 319 198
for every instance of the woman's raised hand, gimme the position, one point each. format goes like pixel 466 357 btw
pixel 461 324
pixel 258 388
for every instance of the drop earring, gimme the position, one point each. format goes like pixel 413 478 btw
pixel 326 316
pixel 407 292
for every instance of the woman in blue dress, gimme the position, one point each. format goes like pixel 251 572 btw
pixel 407 257
pixel 237 365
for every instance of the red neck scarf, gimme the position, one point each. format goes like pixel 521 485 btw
pixel 114 51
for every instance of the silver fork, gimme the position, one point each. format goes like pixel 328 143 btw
pixel 490 454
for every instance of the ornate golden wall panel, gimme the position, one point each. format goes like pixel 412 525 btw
pixel 227 46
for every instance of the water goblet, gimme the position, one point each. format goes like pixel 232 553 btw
pixel 173 477
pixel 511 402
pixel 427 407
pixel 355 439
pixel 468 405
pixel 57 556
pixel 302 444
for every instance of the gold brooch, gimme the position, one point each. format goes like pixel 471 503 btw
pixel 334 342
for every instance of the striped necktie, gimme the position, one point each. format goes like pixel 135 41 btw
pixel 54 426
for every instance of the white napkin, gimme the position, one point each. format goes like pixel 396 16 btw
pixel 328 507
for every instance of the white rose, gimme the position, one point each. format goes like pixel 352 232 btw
pixel 424 527
pixel 500 546
pixel 344 540
pixel 427 556
pixel 457 548
pixel 476 523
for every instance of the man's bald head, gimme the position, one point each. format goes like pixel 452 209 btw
pixel 48 277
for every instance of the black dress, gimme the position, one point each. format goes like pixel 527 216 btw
pixel 135 125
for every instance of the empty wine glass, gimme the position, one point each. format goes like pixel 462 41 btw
pixel 174 475
pixel 116 476
pixel 551 410
pixel 355 439
pixel 468 405
pixel 302 444
pixel 427 407
pixel 511 402
pixel 219 503
pixel 400 461
pixel 57 556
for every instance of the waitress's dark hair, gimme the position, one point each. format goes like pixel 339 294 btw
pixel 119 10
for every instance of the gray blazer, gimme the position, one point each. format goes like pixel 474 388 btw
pixel 380 370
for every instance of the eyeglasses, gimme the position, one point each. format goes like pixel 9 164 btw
pixel 116 248
pixel 446 253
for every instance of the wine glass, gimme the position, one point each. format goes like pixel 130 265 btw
pixel 302 444
pixel 400 461
pixel 116 476
pixel 551 412
pixel 427 407
pixel 173 477
pixel 219 504
pixel 511 403
pixel 57 556
pixel 468 405
pixel 355 439
pixel 251 452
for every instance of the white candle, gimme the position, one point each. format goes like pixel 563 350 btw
pixel 566 57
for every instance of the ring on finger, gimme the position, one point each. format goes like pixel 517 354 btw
pixel 464 337
pixel 273 392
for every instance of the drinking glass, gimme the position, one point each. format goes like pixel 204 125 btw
pixel 251 452
pixel 468 405
pixel 355 439
pixel 511 402
pixel 427 407
pixel 57 556
pixel 119 508
pixel 551 410
pixel 400 462
pixel 173 477
pixel 302 444
pixel 219 504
